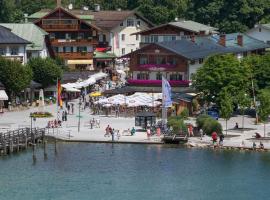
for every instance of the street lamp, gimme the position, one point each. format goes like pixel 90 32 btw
pixel 79 116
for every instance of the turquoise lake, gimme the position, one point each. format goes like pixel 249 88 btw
pixel 131 172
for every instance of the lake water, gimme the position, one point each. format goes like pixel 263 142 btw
pixel 134 172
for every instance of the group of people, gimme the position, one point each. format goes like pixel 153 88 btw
pixel 215 138
pixel 54 124
pixel 111 132
pixel 94 123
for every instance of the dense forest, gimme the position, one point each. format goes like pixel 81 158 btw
pixel 227 15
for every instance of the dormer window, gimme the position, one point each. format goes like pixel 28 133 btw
pixel 130 23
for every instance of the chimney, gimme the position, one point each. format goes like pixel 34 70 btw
pixel 222 40
pixel 240 40
pixel 25 17
pixel 58 3
pixel 97 7
pixel 192 38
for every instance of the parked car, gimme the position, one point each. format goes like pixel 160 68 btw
pixel 213 113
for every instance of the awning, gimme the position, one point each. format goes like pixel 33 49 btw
pixel 3 95
pixel 101 49
pixel 82 62
pixel 104 56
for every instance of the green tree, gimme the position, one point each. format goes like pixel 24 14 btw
pixel 226 106
pixel 218 72
pixel 14 76
pixel 264 107
pixel 45 71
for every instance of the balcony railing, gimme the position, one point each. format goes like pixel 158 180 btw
pixel 157 66
pixel 60 42
pixel 182 83
pixel 75 55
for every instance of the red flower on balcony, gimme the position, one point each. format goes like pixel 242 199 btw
pixel 158 82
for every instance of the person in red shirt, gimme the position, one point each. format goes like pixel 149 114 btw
pixel 214 137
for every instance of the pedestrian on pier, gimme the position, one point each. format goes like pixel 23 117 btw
pixel 221 138
pixel 66 115
pixel 112 133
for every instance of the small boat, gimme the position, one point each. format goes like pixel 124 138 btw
pixel 175 139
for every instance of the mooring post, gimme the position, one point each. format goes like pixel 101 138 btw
pixel 34 154
pixel 11 146
pixel 18 144
pixel 5 147
pixel 45 150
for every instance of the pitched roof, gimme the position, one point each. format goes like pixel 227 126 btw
pixel 192 26
pixel 188 25
pixel 105 19
pixel 48 12
pixel 208 45
pixel 29 32
pixel 7 37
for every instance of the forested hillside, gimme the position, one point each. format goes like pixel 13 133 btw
pixel 227 15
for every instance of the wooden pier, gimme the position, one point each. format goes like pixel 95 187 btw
pixel 20 139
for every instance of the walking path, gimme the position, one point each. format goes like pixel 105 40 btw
pixel 69 130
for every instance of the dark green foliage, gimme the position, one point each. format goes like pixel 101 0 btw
pixel 218 72
pixel 208 124
pixel 200 121
pixel 264 107
pixel 227 15
pixel 14 76
pixel 177 124
pixel 45 71
pixel 211 125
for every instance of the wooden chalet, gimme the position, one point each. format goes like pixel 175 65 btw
pixel 70 38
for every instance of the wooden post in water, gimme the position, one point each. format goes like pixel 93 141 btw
pixel 34 154
pixel 45 150
pixel 11 146
pixel 5 147
pixel 18 143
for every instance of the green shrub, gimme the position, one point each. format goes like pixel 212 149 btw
pixel 208 124
pixel 177 124
pixel 211 125
pixel 184 114
pixel 201 120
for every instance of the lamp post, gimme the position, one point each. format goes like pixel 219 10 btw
pixel 79 116
pixel 33 137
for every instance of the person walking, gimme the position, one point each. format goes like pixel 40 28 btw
pixel 221 139
pixel 63 116
pixel 132 132
pixel 201 133
pixel 112 133
pixel 66 115
pixel 214 138
pixel 148 133
pixel 107 133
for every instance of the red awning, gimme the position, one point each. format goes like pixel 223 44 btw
pixel 101 49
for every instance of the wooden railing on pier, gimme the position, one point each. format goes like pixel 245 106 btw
pixel 20 139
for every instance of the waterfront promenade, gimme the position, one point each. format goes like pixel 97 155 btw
pixel 69 129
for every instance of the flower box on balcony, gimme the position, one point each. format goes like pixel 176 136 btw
pixel 157 82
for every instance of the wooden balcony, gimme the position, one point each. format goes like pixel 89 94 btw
pixel 75 55
pixel 62 27
pixel 60 24
pixel 77 42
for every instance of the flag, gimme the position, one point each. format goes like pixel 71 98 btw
pixel 166 93
pixel 59 90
